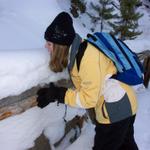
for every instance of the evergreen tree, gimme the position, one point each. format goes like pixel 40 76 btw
pixel 105 10
pixel 126 27
pixel 77 6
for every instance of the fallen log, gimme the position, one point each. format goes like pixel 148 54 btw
pixel 145 59
pixel 17 108
pixel 144 54
pixel 13 105
pixel 146 65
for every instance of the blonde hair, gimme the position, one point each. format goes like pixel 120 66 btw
pixel 59 57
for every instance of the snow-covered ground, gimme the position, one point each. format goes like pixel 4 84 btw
pixel 142 123
pixel 24 64
pixel 22 69
pixel 23 58
pixel 19 132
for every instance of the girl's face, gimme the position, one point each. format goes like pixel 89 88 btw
pixel 49 46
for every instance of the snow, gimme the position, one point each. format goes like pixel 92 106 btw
pixel 25 68
pixel 142 42
pixel 20 131
pixel 24 64
pixel 142 122
pixel 23 58
pixel 139 45
pixel 26 21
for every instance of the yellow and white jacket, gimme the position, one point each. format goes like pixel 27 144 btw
pixel 113 100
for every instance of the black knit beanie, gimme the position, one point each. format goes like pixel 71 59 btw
pixel 61 30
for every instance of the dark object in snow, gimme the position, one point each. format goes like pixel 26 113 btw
pixel 76 123
pixel 146 65
pixel 146 3
pixel 41 143
pixel 144 56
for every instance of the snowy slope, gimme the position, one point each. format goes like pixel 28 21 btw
pixel 142 123
pixel 22 25
pixel 23 58
pixel 22 69
pixel 19 132
pixel 137 45
pixel 142 42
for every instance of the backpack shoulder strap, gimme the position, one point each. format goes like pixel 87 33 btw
pixel 77 51
pixel 96 41
pixel 80 53
pixel 74 50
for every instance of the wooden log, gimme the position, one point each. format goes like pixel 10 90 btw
pixel 17 108
pixel 142 55
pixel 13 105
pixel 146 65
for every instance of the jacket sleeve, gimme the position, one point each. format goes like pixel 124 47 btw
pixel 91 77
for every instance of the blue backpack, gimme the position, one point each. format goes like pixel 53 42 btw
pixel 129 68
